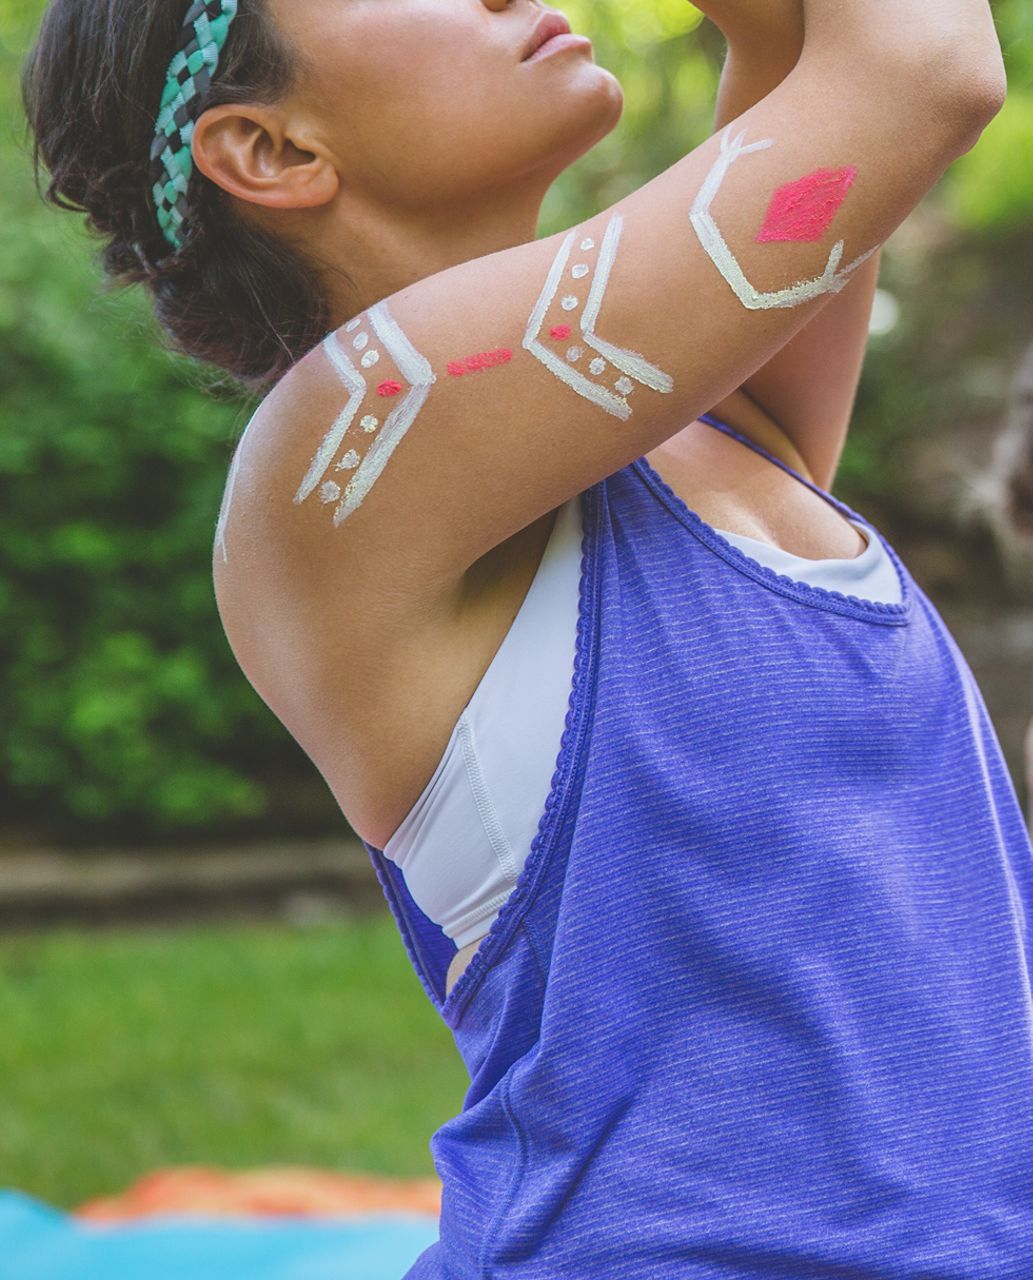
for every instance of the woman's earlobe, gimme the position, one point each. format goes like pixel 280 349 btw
pixel 246 153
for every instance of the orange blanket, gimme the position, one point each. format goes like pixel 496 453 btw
pixel 269 1191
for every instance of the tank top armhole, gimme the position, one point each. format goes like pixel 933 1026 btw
pixel 568 771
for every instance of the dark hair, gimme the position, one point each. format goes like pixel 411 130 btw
pixel 234 295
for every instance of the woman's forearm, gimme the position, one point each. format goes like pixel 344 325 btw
pixel 954 40
pixel 750 73
pixel 757 27
pixel 884 27
pixel 809 386
pixel 943 54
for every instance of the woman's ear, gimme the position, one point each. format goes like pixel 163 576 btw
pixel 245 150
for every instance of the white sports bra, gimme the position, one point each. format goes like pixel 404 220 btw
pixel 462 845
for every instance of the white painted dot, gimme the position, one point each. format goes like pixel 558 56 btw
pixel 588 243
pixel 329 492
pixel 624 386
pixel 349 461
pixel 574 353
pixel 598 365
pixel 580 270
pixel 353 324
pixel 369 423
pixel 370 358
pixel 569 302
pixel 360 340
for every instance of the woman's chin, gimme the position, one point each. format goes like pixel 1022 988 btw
pixel 608 107
pixel 599 115
pixel 615 99
pixel 592 109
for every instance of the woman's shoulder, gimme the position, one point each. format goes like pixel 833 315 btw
pixel 367 670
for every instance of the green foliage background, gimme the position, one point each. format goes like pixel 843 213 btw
pixel 122 712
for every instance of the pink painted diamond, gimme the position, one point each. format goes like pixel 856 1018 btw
pixel 803 210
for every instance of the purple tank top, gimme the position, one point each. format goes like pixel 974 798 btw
pixel 759 1004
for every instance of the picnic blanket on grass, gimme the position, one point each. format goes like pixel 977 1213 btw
pixel 212 1224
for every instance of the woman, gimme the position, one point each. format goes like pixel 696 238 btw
pixel 740 974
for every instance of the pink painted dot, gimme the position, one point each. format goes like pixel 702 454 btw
pixel 456 368
pixel 389 388
pixel 559 332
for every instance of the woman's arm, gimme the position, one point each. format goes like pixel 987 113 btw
pixel 452 414
pixel 808 387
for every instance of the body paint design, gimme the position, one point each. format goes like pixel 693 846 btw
pixel 803 210
pixel 413 368
pixel 628 363
pixel 831 280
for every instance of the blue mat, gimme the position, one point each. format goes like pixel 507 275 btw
pixel 39 1242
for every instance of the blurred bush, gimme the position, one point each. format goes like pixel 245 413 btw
pixel 121 708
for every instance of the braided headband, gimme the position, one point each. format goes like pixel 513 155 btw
pixel 189 76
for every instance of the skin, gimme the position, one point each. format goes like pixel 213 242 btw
pixel 374 167
pixel 376 171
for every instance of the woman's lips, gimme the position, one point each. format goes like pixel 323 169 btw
pixel 565 40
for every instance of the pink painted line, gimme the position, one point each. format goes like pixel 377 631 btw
pixel 482 360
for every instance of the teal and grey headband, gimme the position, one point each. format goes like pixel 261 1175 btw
pixel 189 76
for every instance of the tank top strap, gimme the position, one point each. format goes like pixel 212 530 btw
pixel 842 507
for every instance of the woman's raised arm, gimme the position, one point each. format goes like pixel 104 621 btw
pixel 453 413
pixel 809 387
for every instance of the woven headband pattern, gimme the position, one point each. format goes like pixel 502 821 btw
pixel 189 76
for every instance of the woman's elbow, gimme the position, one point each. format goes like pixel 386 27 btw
pixel 969 85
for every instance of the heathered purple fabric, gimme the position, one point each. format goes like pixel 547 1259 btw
pixel 759 1005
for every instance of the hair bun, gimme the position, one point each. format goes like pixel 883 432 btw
pixel 233 295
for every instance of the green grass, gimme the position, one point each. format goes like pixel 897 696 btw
pixel 232 1044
